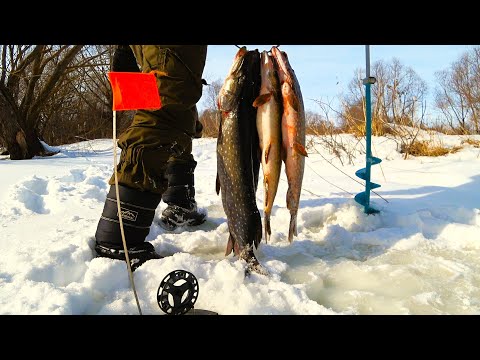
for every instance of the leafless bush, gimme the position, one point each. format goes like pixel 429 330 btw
pixel 328 135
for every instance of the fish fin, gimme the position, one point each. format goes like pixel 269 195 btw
pixel 236 248
pixel 293 101
pixel 299 148
pixel 262 99
pixel 219 137
pixel 293 227
pixel 217 184
pixel 230 245
pixel 267 216
pixel 268 230
pixel 283 154
pixel 267 152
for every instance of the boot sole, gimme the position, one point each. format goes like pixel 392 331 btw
pixel 172 227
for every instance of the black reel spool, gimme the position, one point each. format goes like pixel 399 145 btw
pixel 177 292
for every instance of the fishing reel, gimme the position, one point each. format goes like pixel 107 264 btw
pixel 177 292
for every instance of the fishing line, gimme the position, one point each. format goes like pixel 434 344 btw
pixel 119 209
pixel 274 46
pixel 338 187
pixel 304 189
pixel 268 52
pixel 350 176
pixel 381 168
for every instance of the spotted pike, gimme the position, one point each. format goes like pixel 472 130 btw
pixel 269 120
pixel 238 163
pixel 293 135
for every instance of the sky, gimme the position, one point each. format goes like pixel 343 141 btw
pixel 419 255
pixel 324 71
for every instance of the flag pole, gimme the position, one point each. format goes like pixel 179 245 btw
pixel 131 91
pixel 119 210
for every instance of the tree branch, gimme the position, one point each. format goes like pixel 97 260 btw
pixel 52 81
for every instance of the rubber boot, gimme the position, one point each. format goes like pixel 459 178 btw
pixel 138 211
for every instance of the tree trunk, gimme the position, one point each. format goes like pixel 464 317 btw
pixel 20 110
pixel 21 143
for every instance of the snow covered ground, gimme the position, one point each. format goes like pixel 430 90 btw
pixel 420 255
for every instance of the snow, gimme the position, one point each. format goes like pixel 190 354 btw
pixel 419 255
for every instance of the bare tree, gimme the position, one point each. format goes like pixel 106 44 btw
pixel 85 111
pixel 397 97
pixel 405 89
pixel 211 116
pixel 315 123
pixel 458 94
pixel 29 76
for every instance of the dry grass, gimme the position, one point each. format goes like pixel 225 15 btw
pixel 473 142
pixel 356 126
pixel 427 148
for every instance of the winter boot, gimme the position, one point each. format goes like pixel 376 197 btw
pixel 138 211
pixel 180 197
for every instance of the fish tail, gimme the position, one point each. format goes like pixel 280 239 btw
pixel 293 227
pixel 258 234
pixel 268 230
pixel 230 245
pixel 253 265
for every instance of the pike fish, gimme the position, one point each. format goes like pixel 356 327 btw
pixel 269 120
pixel 238 163
pixel 293 135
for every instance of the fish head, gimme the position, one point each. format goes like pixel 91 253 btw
pixel 238 61
pixel 229 93
pixel 269 73
pixel 266 65
pixel 284 69
pixel 241 51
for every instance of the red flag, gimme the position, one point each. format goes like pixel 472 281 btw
pixel 133 91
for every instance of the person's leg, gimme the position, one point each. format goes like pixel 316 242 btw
pixel 180 195
pixel 147 145
pixel 141 178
